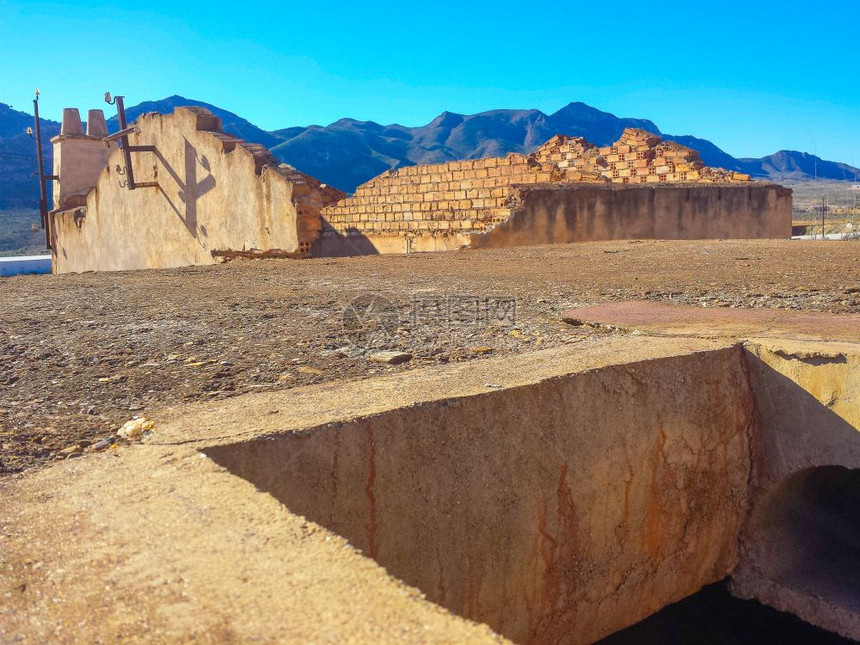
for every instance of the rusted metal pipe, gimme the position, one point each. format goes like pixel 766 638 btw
pixel 118 135
pixel 126 153
pixel 127 148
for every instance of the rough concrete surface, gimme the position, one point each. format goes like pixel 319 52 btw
pixel 168 545
pixel 557 498
pixel 801 544
pixel 556 494
pixel 555 512
pixel 662 319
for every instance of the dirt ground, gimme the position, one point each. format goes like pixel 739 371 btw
pixel 82 354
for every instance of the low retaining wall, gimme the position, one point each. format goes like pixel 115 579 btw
pixel 563 213
pixel 586 213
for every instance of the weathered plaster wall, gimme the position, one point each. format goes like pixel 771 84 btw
pixel 213 193
pixel 554 512
pixel 548 214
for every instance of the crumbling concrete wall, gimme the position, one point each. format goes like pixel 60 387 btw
pixel 202 194
pixel 209 192
pixel 447 206
pixel 556 214
pixel 800 547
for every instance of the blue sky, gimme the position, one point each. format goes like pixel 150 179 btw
pixel 753 77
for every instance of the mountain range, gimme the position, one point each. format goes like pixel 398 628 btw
pixel 348 152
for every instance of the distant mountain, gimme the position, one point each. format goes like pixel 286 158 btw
pixel 231 122
pixel 709 153
pixel 798 166
pixel 348 152
pixel 19 188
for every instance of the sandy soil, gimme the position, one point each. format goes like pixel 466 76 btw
pixel 82 354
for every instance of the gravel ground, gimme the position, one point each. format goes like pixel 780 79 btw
pixel 80 355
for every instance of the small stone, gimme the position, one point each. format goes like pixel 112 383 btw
pixel 98 446
pixel 391 357
pixel 135 428
pixel 69 453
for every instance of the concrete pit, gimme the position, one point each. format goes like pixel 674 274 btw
pixel 554 512
pixel 556 498
pixel 568 509
pixel 802 551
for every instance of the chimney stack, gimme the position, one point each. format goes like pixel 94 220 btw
pixel 78 158
pixel 71 122
pixel 96 125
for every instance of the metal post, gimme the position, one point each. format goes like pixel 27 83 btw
pixel 823 211
pixel 126 152
pixel 43 191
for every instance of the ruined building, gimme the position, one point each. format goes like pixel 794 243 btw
pixel 200 195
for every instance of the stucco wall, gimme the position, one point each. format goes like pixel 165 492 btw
pixel 213 193
pixel 79 160
pixel 583 213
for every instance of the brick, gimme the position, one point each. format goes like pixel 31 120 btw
pixel 465 193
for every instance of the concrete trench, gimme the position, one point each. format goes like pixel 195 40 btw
pixel 570 508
